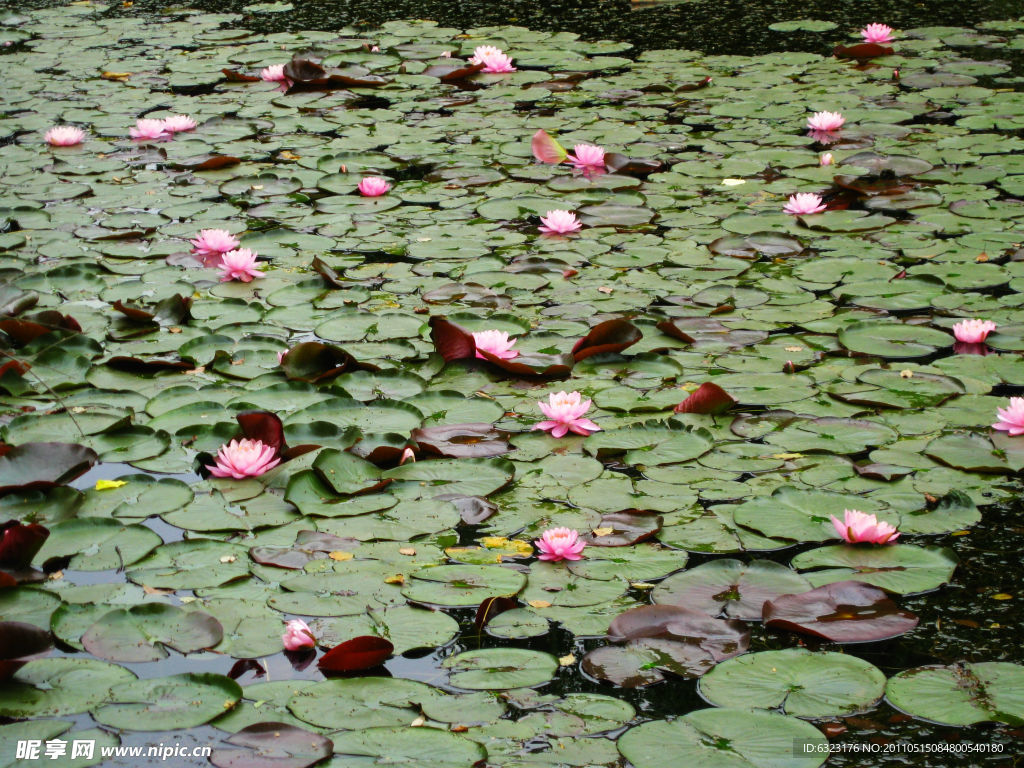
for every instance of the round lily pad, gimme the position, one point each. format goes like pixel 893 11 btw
pixel 961 694
pixel 498 669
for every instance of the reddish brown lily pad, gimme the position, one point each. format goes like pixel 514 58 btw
pixel 722 638
pixel 609 336
pixel 272 745
pixel 451 341
pixel 861 51
pixel 42 465
pixel 19 543
pixel 359 653
pixel 18 642
pixel 707 398
pixel 316 362
pixel 843 612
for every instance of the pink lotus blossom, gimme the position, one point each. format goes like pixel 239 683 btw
pixel 559 223
pixel 244 458
pixel 877 33
pixel 1011 420
pixel 149 129
pixel 826 121
pixel 373 186
pixel 973 331
pixel 280 355
pixel 560 544
pixel 826 159
pixel 275 74
pixel 375 49
pixel 496 343
pixel 239 264
pixel 565 414
pixel 495 60
pixel 64 136
pixel 804 203
pixel 407 455
pixel 179 123
pixel 587 156
pixel 859 527
pixel 214 242
pixel 298 636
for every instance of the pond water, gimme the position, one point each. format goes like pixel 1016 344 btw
pixel 815 354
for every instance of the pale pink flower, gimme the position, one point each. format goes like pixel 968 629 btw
pixel 244 458
pixel 560 544
pixel 860 527
pixel 877 33
pixel 275 74
pixel 375 49
pixel 587 156
pixel 496 343
pixel 565 414
pixel 64 136
pixel 495 61
pixel 407 455
pixel 214 242
pixel 826 159
pixel 298 636
pixel 826 121
pixel 149 129
pixel 373 186
pixel 804 203
pixel 973 331
pixel 280 356
pixel 239 264
pixel 446 54
pixel 559 223
pixel 179 123
pixel 1011 420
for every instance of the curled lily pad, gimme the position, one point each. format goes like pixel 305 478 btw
pixel 41 465
pixel 19 544
pixel 843 612
pixel 17 641
pixel 609 336
pixel 356 654
pixel 707 398
pixel 317 362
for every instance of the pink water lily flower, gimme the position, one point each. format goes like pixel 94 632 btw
pixel 826 121
pixel 859 527
pixel 214 242
pixel 239 264
pixel 1011 420
pixel 495 60
pixel 64 136
pixel 559 223
pixel 587 156
pixel 877 33
pixel 973 331
pixel 826 159
pixel 179 123
pixel 244 458
pixel 298 636
pixel 560 544
pixel 149 129
pixel 804 203
pixel 496 343
pixel 373 186
pixel 275 74
pixel 564 411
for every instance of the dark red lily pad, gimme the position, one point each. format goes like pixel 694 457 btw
pixel 150 365
pixel 861 51
pixel 721 638
pixel 263 426
pixel 609 336
pixel 450 72
pixel 316 362
pixel 272 745
pixel 696 86
pixel 843 612
pixel 461 441
pixel 491 607
pixel 205 162
pixel 43 465
pixel 25 329
pixel 628 166
pixel 451 341
pixel 234 76
pixel 19 543
pixel 359 653
pixel 308 546
pixel 174 310
pixel 308 72
pixel 707 398
pixel 628 527
pixel 18 641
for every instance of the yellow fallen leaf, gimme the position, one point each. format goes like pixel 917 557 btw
pixel 118 76
pixel 407 551
pixel 794 349
pixel 396 579
pixel 642 585
pixel 539 604
pixel 787 456
pixel 906 373
pixel 1002 596
pixel 106 485
pixel 733 182
pixel 341 556
pixel 566 661
pixel 286 155
pixel 605 289
pixel 602 531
